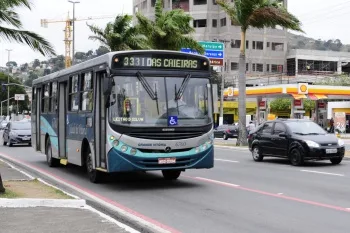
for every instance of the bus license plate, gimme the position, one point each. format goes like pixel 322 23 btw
pixel 331 151
pixel 166 160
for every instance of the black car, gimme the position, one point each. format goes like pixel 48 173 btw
pixel 226 131
pixel 17 133
pixel 297 140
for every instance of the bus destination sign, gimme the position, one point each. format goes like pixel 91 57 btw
pixel 161 61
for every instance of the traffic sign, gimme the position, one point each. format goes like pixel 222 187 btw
pixel 213 50
pixel 19 97
pixel 216 62
pixel 218 46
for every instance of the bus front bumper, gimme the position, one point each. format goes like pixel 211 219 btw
pixel 122 162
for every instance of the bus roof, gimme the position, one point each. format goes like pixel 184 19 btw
pixel 104 59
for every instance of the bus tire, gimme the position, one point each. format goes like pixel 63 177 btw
pixel 94 175
pixel 52 162
pixel 171 174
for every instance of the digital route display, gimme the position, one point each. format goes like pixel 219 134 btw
pixel 161 61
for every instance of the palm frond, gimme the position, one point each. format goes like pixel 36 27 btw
pixel 230 10
pixel 145 25
pixel 97 31
pixel 272 17
pixel 15 3
pixel 158 9
pixel 188 42
pixel 33 40
pixel 10 17
pixel 100 39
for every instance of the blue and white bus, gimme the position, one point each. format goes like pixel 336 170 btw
pixel 127 111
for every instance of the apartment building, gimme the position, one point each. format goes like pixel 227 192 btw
pixel 266 48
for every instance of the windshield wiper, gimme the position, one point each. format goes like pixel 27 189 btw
pixel 177 102
pixel 183 87
pixel 148 88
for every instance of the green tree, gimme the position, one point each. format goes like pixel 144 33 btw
pixel 23 105
pixel 11 64
pixel 32 76
pixel 341 80
pixel 119 35
pixel 15 32
pixel 101 50
pixel 284 104
pixel 170 30
pixel 36 63
pixel 257 14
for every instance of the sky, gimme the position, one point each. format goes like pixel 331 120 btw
pixel 322 19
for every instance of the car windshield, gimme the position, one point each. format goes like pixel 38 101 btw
pixel 305 128
pixel 21 126
pixel 160 101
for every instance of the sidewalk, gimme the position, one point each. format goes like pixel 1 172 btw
pixel 47 215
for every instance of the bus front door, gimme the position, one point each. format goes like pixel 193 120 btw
pixel 37 119
pixel 100 122
pixel 62 111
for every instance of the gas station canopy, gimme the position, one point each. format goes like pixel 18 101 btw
pixel 297 91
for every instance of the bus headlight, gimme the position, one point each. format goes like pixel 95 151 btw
pixel 133 151
pixel 115 143
pixel 124 148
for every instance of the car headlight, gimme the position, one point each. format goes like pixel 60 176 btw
pixel 312 143
pixel 340 142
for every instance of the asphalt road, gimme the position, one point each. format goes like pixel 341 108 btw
pixel 238 195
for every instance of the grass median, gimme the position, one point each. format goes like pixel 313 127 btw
pixel 31 189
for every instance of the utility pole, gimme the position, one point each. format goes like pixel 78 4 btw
pixel 73 24
pixel 223 76
pixel 8 82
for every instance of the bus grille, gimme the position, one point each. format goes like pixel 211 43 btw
pixel 166 135
pixel 162 151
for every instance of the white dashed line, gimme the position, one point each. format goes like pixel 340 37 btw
pixel 218 182
pixel 323 173
pixel 279 193
pixel 226 160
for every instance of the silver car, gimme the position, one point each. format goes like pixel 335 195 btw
pixel 17 133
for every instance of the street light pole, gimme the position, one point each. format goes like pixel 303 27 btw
pixel 223 76
pixel 73 22
pixel 8 81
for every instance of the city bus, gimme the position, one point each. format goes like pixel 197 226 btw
pixel 127 111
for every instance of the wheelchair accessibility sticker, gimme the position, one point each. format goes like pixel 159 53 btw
pixel 172 120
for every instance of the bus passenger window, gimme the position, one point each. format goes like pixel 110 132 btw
pixel 87 93
pixel 73 93
pixel 54 97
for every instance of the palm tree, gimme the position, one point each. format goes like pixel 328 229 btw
pixel 119 35
pixel 256 14
pixel 170 30
pixel 10 17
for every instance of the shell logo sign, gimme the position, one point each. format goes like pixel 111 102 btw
pixel 303 88
pixel 228 92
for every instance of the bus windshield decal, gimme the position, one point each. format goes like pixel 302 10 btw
pixel 161 61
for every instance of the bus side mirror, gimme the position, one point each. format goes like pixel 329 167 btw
pixel 107 86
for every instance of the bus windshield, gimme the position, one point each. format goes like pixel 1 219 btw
pixel 152 101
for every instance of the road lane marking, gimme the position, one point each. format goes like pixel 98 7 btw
pixel 324 173
pixel 313 203
pixel 122 210
pixel 279 193
pixel 226 160
pixel 217 182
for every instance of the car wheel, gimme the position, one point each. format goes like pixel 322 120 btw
pixel 171 174
pixel 336 160
pixel 297 156
pixel 256 153
pixel 224 137
pixel 52 162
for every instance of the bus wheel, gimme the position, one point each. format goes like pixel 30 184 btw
pixel 171 174
pixel 52 162
pixel 94 175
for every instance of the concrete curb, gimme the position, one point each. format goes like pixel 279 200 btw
pixel 115 210
pixel 33 202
